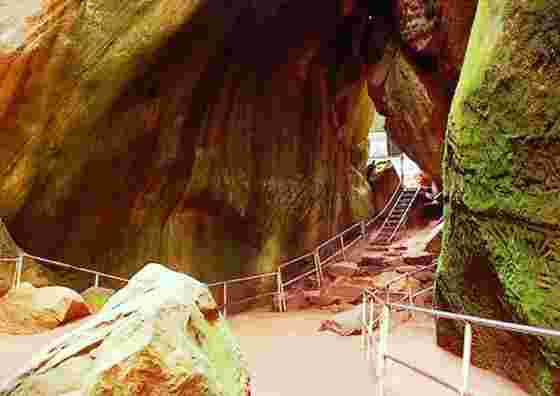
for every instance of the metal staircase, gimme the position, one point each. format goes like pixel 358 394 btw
pixel 397 217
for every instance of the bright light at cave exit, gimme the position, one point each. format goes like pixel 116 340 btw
pixel 378 150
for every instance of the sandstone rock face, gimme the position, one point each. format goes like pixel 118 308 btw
pixel 501 244
pixel 417 24
pixel 412 83
pixel 160 334
pixel 163 129
pixel 33 273
pixel 384 185
pixel 30 310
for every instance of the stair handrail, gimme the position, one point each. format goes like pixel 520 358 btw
pixel 390 213
pixel 387 205
pixel 404 216
pixel 281 283
pixel 465 388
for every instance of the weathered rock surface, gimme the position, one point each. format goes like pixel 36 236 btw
pixel 162 129
pixel 346 323
pixel 161 334
pixel 30 310
pixel 501 247
pixel 383 187
pixel 343 268
pixel 416 106
pixel 413 82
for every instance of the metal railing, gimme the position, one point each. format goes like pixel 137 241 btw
pixel 383 354
pixel 403 217
pixel 335 246
pixel 371 297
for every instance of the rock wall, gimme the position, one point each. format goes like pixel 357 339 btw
pixel 211 138
pixel 385 182
pixel 501 245
pixel 413 77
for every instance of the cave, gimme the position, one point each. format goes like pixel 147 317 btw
pixel 223 138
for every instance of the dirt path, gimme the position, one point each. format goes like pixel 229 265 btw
pixel 289 358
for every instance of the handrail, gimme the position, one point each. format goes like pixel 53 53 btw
pixel 247 278
pixel 404 216
pixel 297 259
pixel 401 192
pixel 387 205
pixel 468 320
pixel 491 323
pixel 318 268
pixel 61 264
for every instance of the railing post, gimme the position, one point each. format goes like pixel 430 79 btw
pixel 343 248
pixel 363 228
pixel 318 269
pixel 364 323
pixel 467 343
pixel 96 282
pixel 382 349
pixel 225 299
pixel 280 288
pixel 19 270
pixel 370 326
pixel 409 286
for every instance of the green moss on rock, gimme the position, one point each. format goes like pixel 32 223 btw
pixel 501 246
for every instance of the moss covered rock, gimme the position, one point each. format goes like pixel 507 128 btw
pixel 501 245
pixel 161 334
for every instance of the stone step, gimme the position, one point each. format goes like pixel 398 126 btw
pixel 374 248
pixel 343 268
pixel 420 260
pixel 406 268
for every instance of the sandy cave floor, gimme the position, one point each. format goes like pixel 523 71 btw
pixel 289 358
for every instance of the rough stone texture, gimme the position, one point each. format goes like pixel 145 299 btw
pixel 384 185
pixel 501 245
pixel 343 268
pixel 417 25
pixel 30 310
pixel 412 80
pixel 154 130
pixel 162 334
pixel 348 322
pixel 416 108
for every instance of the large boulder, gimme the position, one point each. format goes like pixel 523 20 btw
pixel 347 323
pixel 412 83
pixel 501 246
pixel 29 310
pixel 161 334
